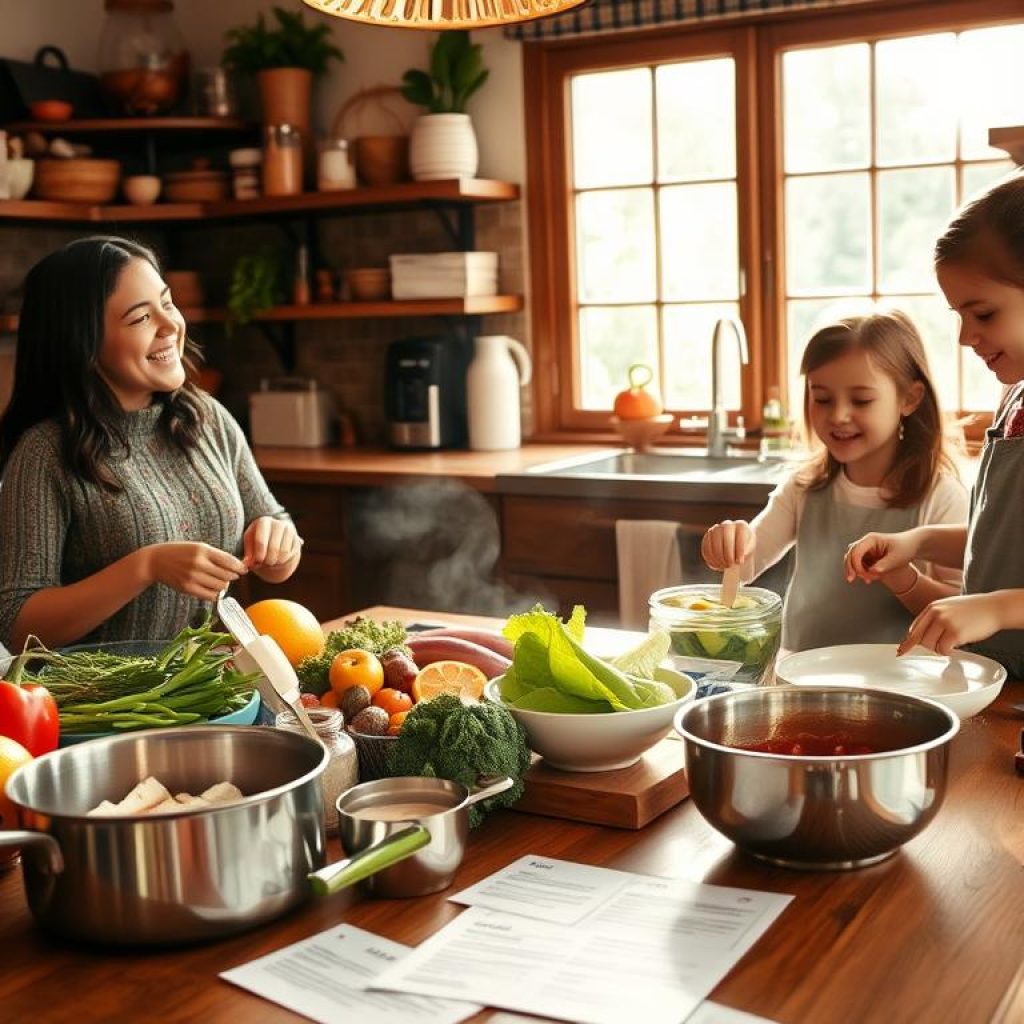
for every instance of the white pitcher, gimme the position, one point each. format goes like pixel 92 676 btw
pixel 499 368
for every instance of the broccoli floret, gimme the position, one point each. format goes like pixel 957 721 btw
pixel 447 739
pixel 367 634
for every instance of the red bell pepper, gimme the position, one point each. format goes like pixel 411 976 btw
pixel 28 715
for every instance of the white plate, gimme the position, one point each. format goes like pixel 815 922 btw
pixel 964 683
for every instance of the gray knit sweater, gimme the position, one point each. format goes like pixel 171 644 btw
pixel 56 529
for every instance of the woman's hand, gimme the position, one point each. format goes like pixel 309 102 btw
pixel 727 544
pixel 877 554
pixel 954 621
pixel 269 543
pixel 192 568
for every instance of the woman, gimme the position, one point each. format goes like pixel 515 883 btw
pixel 129 497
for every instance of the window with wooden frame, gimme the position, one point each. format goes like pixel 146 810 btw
pixel 790 170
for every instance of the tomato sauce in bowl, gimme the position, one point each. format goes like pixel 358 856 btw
pixel 806 744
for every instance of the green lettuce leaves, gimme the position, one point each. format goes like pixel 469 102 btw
pixel 552 672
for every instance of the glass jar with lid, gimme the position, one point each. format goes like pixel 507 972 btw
pixel 282 160
pixel 142 60
pixel 741 642
pixel 334 168
pixel 342 771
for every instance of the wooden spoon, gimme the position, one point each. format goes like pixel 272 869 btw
pixel 730 584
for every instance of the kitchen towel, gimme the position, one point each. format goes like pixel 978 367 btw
pixel 647 551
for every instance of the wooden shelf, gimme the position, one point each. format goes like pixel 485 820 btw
pixel 1010 139
pixel 404 195
pixel 477 306
pixel 112 125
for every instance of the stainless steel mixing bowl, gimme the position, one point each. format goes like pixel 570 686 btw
pixel 839 811
pixel 185 876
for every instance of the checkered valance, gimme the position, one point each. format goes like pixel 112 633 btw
pixel 603 16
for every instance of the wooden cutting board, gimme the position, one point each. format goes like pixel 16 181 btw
pixel 627 798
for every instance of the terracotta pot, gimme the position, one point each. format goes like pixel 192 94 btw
pixel 382 159
pixel 286 98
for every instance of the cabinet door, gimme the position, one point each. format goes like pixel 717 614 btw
pixel 318 511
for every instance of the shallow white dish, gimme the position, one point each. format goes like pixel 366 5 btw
pixel 600 742
pixel 964 683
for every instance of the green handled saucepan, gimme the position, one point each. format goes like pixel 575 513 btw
pixel 404 836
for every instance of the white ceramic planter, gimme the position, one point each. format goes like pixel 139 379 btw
pixel 443 146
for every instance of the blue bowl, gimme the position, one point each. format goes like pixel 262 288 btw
pixel 142 649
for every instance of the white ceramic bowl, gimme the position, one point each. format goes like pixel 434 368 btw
pixel 963 682
pixel 20 172
pixel 597 743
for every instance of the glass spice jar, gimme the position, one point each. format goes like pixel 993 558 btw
pixel 342 771
pixel 334 169
pixel 282 160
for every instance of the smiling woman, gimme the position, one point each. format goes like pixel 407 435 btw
pixel 130 498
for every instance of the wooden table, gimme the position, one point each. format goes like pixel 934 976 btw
pixel 935 933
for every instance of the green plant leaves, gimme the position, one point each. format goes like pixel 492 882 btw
pixel 291 44
pixel 257 283
pixel 456 72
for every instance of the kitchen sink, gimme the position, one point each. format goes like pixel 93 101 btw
pixel 683 474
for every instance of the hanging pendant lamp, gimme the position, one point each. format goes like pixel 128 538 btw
pixel 438 15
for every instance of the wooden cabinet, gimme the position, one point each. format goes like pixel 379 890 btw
pixel 563 549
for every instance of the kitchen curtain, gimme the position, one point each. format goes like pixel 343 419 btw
pixel 603 16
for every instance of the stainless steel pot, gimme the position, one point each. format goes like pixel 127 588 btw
pixel 180 877
pixel 410 855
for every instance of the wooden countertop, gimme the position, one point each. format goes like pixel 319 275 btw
pixel 369 467
pixel 931 934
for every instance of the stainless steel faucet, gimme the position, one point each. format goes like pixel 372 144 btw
pixel 719 431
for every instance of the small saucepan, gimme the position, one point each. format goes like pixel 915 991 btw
pixel 404 837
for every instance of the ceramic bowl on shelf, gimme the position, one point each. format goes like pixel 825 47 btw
pixel 641 434
pixel 20 172
pixel 368 284
pixel 598 742
pixel 50 111
pixel 77 180
pixel 141 189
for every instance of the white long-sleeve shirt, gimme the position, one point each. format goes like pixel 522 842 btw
pixel 775 527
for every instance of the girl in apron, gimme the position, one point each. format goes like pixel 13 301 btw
pixel 980 266
pixel 870 402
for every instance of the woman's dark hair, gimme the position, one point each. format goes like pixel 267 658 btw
pixel 60 334
pixel 893 343
pixel 987 233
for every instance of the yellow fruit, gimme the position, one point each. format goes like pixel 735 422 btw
pixel 294 627
pixel 12 755
pixel 464 681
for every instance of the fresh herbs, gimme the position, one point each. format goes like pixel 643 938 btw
pixel 257 284
pixel 190 680
pixel 376 637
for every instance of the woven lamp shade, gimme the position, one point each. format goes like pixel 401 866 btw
pixel 436 15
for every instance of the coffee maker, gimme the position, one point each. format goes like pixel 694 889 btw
pixel 426 392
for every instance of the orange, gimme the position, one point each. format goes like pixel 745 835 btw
pixel 12 755
pixel 356 667
pixel 392 701
pixel 464 681
pixel 294 627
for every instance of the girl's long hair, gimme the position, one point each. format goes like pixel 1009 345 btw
pixel 60 334
pixel 987 233
pixel 895 347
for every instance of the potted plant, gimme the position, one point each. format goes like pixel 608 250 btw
pixel 443 143
pixel 284 57
pixel 257 284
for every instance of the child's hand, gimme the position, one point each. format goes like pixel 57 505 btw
pixel 727 544
pixel 954 621
pixel 876 554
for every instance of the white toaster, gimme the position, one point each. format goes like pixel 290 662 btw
pixel 291 412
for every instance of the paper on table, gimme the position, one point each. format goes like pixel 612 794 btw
pixel 673 940
pixel 707 1013
pixel 545 889
pixel 324 977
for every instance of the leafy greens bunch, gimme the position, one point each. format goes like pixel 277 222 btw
pixel 446 739
pixel 551 671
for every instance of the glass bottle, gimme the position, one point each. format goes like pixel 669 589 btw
pixel 282 160
pixel 142 60
pixel 334 168
pixel 342 771
pixel 774 425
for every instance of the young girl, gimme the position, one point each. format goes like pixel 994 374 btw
pixel 129 498
pixel 870 401
pixel 980 266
